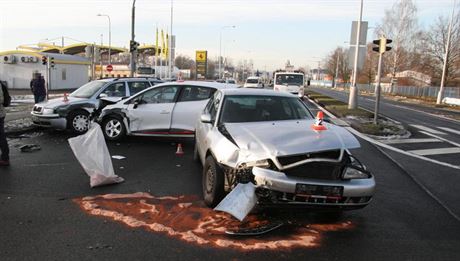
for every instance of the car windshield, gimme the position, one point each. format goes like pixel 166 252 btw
pixel 291 79
pixel 253 108
pixel 252 81
pixel 231 81
pixel 88 90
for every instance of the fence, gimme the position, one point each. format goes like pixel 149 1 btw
pixel 409 91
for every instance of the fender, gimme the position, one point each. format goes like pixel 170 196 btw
pixel 63 111
pixel 115 112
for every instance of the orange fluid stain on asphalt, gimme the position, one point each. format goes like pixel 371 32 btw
pixel 188 219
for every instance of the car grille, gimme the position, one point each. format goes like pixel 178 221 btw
pixel 37 109
pixel 317 170
pixel 330 154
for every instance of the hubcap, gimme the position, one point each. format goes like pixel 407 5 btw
pixel 209 180
pixel 80 123
pixel 113 128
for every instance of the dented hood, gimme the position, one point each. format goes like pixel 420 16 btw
pixel 281 138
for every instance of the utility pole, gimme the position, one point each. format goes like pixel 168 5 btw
pixel 353 99
pixel 170 44
pixel 446 56
pixel 134 52
pixel 336 70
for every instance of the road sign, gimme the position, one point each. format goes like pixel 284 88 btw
pixel 201 56
pixel 109 68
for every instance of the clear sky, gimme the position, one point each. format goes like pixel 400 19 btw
pixel 267 31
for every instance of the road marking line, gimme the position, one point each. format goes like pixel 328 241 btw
pixel 421 127
pixel 435 151
pixel 449 130
pixel 424 112
pixel 402 141
pixel 441 138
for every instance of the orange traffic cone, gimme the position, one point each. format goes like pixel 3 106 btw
pixel 318 126
pixel 66 99
pixel 179 150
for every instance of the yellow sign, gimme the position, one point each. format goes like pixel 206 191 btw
pixel 201 56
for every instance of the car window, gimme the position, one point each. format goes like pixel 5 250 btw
pixel 252 108
pixel 160 95
pixel 195 93
pixel 213 105
pixel 135 87
pixel 88 90
pixel 115 90
pixel 252 81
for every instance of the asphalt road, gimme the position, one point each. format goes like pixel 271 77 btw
pixel 42 216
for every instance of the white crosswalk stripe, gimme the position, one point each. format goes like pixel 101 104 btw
pixel 421 127
pixel 402 141
pixel 436 151
pixel 449 130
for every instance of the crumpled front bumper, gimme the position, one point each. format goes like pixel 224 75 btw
pixel 276 188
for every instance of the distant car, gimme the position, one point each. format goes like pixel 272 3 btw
pixel 269 138
pixel 74 112
pixel 253 82
pixel 168 109
pixel 230 81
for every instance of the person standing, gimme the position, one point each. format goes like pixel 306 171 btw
pixel 5 156
pixel 37 86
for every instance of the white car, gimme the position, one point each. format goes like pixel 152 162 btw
pixel 271 139
pixel 253 82
pixel 167 109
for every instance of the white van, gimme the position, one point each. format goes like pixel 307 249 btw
pixel 293 82
pixel 253 82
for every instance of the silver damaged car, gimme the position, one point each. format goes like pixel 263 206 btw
pixel 272 140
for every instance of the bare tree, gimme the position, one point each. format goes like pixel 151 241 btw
pixel 369 71
pixel 338 59
pixel 434 48
pixel 184 62
pixel 400 25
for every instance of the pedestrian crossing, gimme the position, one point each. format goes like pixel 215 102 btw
pixel 436 135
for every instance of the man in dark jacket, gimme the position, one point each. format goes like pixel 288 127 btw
pixel 37 85
pixel 4 159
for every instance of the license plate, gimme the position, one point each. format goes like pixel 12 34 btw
pixel 318 190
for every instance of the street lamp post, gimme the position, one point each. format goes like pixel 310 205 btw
pixel 133 53
pixel 220 47
pixel 353 99
pixel 110 36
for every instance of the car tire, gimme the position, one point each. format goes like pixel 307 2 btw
pixel 113 128
pixel 78 121
pixel 212 182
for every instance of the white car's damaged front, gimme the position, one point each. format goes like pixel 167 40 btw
pixel 269 139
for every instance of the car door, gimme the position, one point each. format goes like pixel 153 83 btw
pixel 189 106
pixel 150 113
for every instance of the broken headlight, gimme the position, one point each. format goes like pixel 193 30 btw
pixel 258 163
pixel 355 170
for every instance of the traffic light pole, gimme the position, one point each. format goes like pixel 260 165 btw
pixel 377 89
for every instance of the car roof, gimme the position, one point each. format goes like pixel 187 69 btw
pixel 215 85
pixel 129 79
pixel 253 77
pixel 256 92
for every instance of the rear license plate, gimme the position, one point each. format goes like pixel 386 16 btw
pixel 318 190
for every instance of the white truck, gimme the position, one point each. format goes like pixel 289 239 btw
pixel 293 82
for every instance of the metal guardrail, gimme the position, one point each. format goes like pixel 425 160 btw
pixel 408 91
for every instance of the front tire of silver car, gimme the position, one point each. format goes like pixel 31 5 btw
pixel 113 128
pixel 78 121
pixel 212 182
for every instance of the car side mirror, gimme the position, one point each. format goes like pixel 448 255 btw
pixel 103 95
pixel 205 118
pixel 135 104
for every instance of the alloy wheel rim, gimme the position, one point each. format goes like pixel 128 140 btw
pixel 113 128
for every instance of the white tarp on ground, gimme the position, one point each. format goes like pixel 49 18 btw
pixel 451 101
pixel 91 151
pixel 240 201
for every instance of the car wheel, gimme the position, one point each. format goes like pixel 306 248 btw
pixel 78 121
pixel 213 183
pixel 113 128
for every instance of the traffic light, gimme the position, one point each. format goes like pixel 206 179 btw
pixel 52 62
pixel 382 45
pixel 133 46
pixel 44 60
